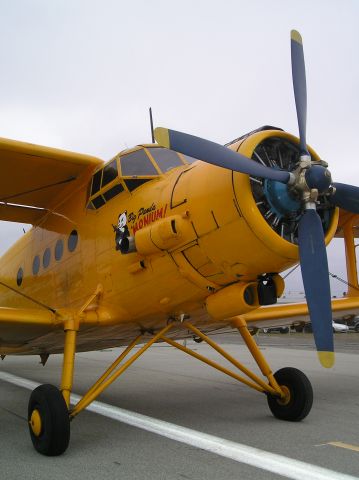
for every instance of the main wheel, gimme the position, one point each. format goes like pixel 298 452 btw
pixel 49 420
pixel 299 395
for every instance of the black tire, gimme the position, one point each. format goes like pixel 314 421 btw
pixel 284 330
pixel 300 399
pixel 198 339
pixel 356 328
pixel 54 437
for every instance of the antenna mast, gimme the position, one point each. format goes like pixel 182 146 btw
pixel 151 121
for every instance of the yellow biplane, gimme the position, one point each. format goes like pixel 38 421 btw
pixel 167 241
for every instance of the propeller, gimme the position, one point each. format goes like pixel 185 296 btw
pixel 312 250
pixel 309 180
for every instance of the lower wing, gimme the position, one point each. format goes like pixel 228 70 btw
pixel 296 313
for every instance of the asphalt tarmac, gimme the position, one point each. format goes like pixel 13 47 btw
pixel 167 385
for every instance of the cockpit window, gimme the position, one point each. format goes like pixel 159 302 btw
pixel 109 173
pixel 96 182
pixel 128 171
pixel 137 164
pixel 133 183
pixel 98 201
pixel 165 159
pixel 106 184
pixel 112 192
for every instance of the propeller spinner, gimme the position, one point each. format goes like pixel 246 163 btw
pixel 309 180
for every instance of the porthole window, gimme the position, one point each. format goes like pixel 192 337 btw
pixel 20 276
pixel 36 265
pixel 46 258
pixel 72 241
pixel 59 249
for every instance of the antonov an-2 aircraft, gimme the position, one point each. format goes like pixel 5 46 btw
pixel 169 240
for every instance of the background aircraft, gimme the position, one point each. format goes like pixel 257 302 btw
pixel 166 241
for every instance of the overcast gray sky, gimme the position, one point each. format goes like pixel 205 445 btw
pixel 81 74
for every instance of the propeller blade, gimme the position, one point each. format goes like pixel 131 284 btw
pixel 346 197
pixel 314 265
pixel 299 87
pixel 216 154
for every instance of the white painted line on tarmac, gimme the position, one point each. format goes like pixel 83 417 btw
pixel 271 462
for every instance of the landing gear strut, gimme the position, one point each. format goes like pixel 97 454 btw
pixel 48 409
pixel 288 391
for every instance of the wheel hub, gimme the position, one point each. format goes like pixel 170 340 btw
pixel 35 423
pixel 286 399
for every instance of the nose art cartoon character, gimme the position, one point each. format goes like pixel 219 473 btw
pixel 121 230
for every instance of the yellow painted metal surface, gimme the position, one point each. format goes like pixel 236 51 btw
pixel 240 323
pixel 296 36
pixel 327 359
pixel 253 348
pixel 36 423
pixel 68 365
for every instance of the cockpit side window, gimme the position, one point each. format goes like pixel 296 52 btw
pixel 106 184
pixel 96 182
pixel 109 173
pixel 112 192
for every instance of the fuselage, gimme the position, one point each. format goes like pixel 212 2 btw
pixel 200 234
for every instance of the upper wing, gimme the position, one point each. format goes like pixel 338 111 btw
pixel 287 314
pixel 33 176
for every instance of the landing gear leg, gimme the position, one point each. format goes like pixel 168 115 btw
pixel 48 410
pixel 294 398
